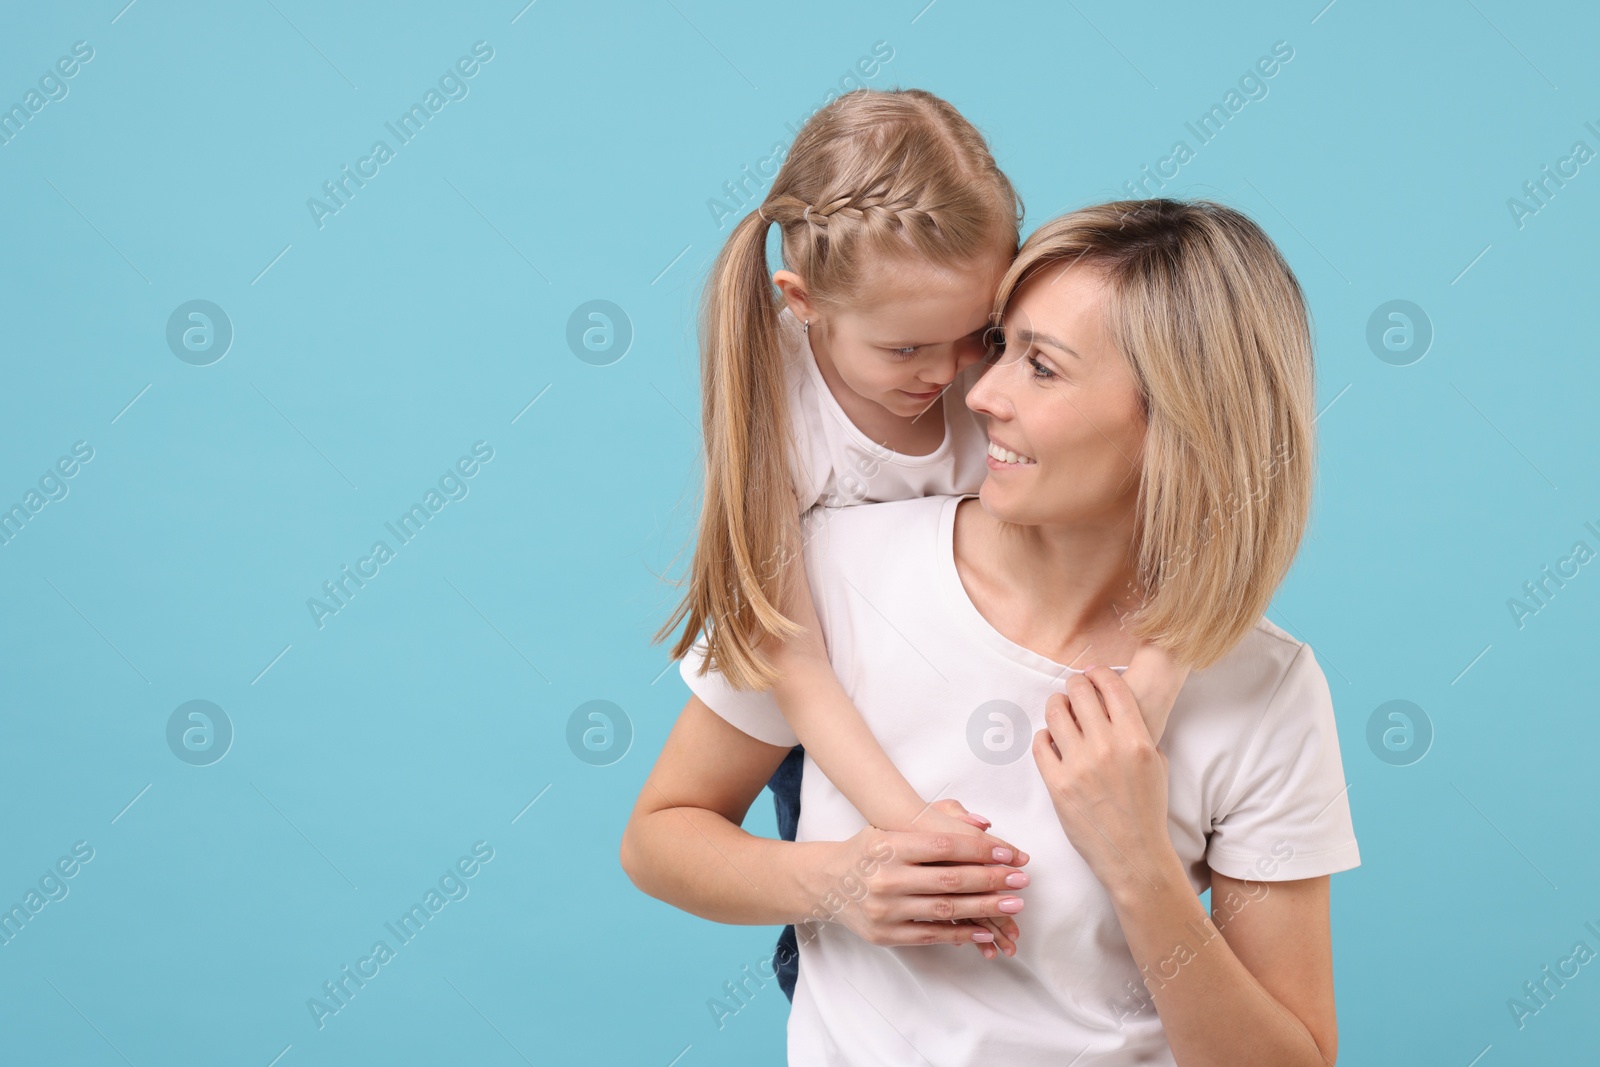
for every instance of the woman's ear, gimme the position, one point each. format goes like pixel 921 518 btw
pixel 795 295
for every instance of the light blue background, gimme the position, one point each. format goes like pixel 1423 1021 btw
pixel 428 314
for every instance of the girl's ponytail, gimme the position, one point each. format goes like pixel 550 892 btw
pixel 748 520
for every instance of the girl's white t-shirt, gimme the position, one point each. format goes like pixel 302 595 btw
pixel 833 463
pixel 1256 790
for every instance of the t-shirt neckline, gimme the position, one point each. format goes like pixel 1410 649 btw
pixel 961 607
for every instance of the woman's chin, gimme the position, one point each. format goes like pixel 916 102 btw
pixel 997 501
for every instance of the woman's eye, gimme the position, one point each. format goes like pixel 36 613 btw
pixel 1040 371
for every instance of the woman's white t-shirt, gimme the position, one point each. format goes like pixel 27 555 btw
pixel 833 463
pixel 1256 790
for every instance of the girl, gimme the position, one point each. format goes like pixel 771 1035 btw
pixel 846 385
pixel 842 379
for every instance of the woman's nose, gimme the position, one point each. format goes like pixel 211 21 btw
pixel 985 395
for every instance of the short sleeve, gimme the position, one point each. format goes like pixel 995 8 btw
pixel 1287 814
pixel 749 711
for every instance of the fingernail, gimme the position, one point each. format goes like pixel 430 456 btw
pixel 982 935
pixel 1002 855
pixel 1011 905
pixel 1017 880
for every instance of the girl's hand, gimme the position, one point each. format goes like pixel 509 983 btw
pixel 1155 678
pixel 951 816
pixel 913 888
pixel 1107 778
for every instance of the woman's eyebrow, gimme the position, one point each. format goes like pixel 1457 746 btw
pixel 1033 337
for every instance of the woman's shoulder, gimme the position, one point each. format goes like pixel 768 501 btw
pixel 1269 643
pixel 1267 663
pixel 1265 647
pixel 1271 739
pixel 874 538
pixel 878 520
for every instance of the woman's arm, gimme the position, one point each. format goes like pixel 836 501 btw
pixel 683 845
pixel 1260 993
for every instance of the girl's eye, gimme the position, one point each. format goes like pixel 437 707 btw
pixel 907 351
pixel 994 344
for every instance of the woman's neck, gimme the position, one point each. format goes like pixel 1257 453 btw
pixel 1057 590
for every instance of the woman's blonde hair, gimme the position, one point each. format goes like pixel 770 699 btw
pixel 875 174
pixel 1215 329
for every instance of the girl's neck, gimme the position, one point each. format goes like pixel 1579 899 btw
pixel 916 436
pixel 1057 590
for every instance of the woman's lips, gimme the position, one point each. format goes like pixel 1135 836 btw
pixel 1000 457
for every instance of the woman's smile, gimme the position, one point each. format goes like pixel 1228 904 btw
pixel 1003 458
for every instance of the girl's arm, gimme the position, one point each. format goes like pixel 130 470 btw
pixel 832 730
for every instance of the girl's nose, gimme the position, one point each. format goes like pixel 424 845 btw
pixel 941 371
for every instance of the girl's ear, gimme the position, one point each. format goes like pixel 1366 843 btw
pixel 794 294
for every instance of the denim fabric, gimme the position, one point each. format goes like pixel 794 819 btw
pixel 785 786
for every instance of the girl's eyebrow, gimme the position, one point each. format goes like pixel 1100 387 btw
pixel 924 344
pixel 1033 337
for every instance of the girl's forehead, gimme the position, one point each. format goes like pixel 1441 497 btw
pixel 886 282
pixel 942 310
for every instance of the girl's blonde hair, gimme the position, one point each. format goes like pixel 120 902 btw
pixel 875 174
pixel 1215 329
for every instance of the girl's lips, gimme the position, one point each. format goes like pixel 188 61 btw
pixel 929 395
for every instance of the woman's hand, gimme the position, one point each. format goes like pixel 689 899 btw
pixel 1107 778
pixel 895 888
pixel 950 816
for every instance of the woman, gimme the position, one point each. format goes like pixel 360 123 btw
pixel 1151 418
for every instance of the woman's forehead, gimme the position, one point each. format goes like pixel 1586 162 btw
pixel 1063 305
